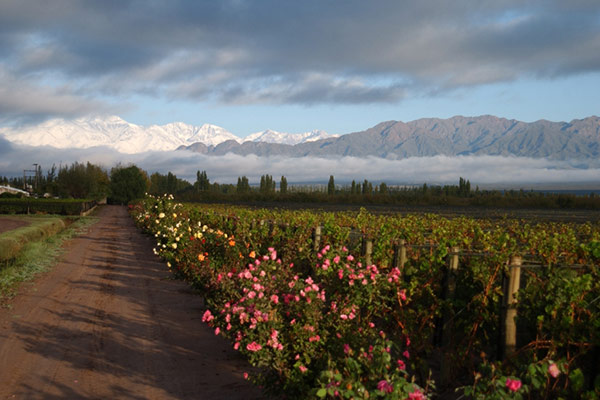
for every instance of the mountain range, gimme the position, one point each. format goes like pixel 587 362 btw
pixel 125 137
pixel 483 135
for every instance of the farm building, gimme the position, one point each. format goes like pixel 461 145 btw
pixel 8 189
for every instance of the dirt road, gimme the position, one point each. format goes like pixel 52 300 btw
pixel 108 323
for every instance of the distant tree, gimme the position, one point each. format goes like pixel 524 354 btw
pixel 161 184
pixel 127 184
pixel 99 181
pixel 242 185
pixel 51 175
pixel 331 186
pixel 283 185
pixel 267 185
pixel 202 182
pixel 383 189
pixel 158 184
pixel 171 183
pixel 72 181
pixel 353 187
pixel 464 187
pixel 81 181
pixel 367 187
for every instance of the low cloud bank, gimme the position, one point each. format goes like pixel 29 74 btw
pixel 480 170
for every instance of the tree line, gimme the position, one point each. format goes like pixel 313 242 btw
pixel 82 181
pixel 124 183
pixel 367 192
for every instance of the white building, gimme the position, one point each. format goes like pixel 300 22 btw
pixel 13 190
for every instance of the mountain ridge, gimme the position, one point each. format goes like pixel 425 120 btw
pixel 425 137
pixel 456 136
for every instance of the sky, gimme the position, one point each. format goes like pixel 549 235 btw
pixel 295 66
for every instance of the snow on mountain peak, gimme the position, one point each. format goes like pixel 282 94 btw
pixel 123 136
pixel 270 136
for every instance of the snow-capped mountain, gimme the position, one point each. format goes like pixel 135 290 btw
pixel 125 137
pixel 270 136
pixel 116 133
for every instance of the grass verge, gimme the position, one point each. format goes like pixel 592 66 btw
pixel 12 242
pixel 37 257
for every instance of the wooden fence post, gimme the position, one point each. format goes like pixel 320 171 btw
pixel 452 268
pixel 271 228
pixel 367 249
pixel 510 304
pixel 317 238
pixel 402 253
pixel 447 318
pixel 399 258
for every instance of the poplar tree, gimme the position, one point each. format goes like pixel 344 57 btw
pixel 283 185
pixel 331 186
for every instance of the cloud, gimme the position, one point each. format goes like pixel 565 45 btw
pixel 309 89
pixel 26 101
pixel 291 52
pixel 226 169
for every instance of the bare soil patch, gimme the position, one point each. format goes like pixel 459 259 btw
pixel 108 322
pixel 8 224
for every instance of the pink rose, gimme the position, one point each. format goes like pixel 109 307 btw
pixel 385 386
pixel 513 384
pixel 416 395
pixel 253 346
pixel 207 316
pixel 553 370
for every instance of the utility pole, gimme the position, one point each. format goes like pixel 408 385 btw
pixel 31 173
pixel 35 182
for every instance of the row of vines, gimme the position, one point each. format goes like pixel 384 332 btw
pixel 321 318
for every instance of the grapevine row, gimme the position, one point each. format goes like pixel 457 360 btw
pixel 427 310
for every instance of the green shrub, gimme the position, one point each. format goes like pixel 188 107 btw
pixel 45 206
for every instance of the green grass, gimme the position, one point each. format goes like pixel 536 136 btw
pixel 36 257
pixel 12 242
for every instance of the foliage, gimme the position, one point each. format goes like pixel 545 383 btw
pixel 167 184
pixel 202 182
pixel 267 185
pixel 242 185
pixel 127 184
pixel 331 186
pixel 81 181
pixel 29 205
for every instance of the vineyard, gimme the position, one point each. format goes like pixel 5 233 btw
pixel 353 305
